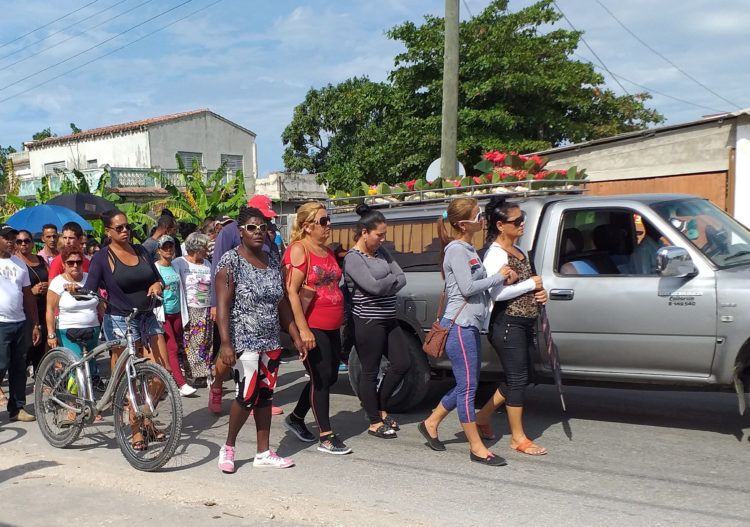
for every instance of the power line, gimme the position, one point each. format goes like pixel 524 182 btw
pixel 94 46
pixel 109 52
pixel 641 86
pixel 675 66
pixel 590 48
pixel 77 35
pixel 47 24
pixel 466 5
pixel 61 30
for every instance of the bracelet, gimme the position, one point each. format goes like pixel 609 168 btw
pixel 51 337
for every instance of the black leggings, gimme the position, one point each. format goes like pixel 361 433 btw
pixel 375 339
pixel 322 364
pixel 513 339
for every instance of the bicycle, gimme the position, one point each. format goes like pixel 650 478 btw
pixel 63 396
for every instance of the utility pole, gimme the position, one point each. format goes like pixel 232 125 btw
pixel 449 132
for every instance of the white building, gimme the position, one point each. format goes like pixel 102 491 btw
pixel 138 146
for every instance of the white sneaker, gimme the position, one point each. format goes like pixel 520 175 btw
pixel 186 390
pixel 270 459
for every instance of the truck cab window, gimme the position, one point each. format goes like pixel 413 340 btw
pixel 604 242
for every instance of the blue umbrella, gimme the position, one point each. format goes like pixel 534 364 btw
pixel 34 218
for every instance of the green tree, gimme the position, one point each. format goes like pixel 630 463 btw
pixel 519 91
pixel 5 152
pixel 44 134
pixel 74 129
pixel 201 197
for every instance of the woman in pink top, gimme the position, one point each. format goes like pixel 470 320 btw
pixel 309 262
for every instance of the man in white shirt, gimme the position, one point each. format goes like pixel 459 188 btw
pixel 17 311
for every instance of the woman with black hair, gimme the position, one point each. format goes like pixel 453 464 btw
pixel 513 320
pixel 374 278
pixel 251 310
pixel 128 274
pixel 39 276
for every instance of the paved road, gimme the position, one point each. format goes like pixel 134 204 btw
pixel 618 457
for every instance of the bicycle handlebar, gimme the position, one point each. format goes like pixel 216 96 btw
pixel 81 293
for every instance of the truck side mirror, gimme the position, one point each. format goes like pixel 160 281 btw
pixel 674 261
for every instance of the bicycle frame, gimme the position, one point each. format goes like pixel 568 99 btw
pixel 125 365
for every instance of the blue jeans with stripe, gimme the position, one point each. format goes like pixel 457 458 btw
pixel 463 349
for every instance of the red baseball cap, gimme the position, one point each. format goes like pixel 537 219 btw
pixel 263 204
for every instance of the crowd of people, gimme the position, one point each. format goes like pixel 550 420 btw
pixel 230 289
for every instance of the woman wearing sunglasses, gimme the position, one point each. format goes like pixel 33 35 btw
pixel 310 264
pixel 251 310
pixel 76 320
pixel 128 274
pixel 513 321
pixel 39 276
pixel 466 313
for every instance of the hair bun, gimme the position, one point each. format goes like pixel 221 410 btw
pixel 494 203
pixel 362 209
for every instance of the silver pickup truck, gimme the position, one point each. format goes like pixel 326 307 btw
pixel 649 289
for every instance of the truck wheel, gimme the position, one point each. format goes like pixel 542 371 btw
pixel 413 388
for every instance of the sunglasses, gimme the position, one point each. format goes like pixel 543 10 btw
pixel 518 221
pixel 252 227
pixel 71 263
pixel 23 241
pixel 323 222
pixel 479 217
pixel 122 227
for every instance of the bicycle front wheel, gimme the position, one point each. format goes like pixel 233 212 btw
pixel 57 424
pixel 148 441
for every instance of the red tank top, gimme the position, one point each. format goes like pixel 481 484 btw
pixel 327 309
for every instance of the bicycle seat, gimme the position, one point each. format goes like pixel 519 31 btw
pixel 80 336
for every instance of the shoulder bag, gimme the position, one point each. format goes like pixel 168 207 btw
pixel 434 341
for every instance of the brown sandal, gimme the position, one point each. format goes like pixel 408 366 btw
pixel 138 442
pixel 527 444
pixel 153 433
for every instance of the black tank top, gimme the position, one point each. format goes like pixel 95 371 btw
pixel 134 281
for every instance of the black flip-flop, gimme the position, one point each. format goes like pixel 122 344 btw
pixel 432 442
pixel 383 432
pixel 391 422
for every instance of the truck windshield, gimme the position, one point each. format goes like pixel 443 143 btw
pixel 722 239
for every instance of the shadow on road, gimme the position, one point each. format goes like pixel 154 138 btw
pixel 20 470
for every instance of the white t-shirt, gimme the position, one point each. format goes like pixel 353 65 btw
pixel 13 277
pixel 74 313
pixel 196 279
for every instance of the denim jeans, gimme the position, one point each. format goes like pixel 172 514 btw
pixel 463 349
pixel 114 326
pixel 14 341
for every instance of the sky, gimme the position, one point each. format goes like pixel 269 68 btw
pixel 253 61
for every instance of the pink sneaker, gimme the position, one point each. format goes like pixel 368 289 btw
pixel 226 459
pixel 214 400
pixel 270 459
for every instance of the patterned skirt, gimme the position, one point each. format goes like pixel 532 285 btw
pixel 198 342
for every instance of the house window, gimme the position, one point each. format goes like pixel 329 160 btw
pixel 234 163
pixel 188 157
pixel 92 163
pixel 49 168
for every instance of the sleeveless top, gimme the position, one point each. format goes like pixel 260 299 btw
pixel 134 281
pixel 324 274
pixel 524 306
pixel 39 273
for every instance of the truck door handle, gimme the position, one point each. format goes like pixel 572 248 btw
pixel 561 294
